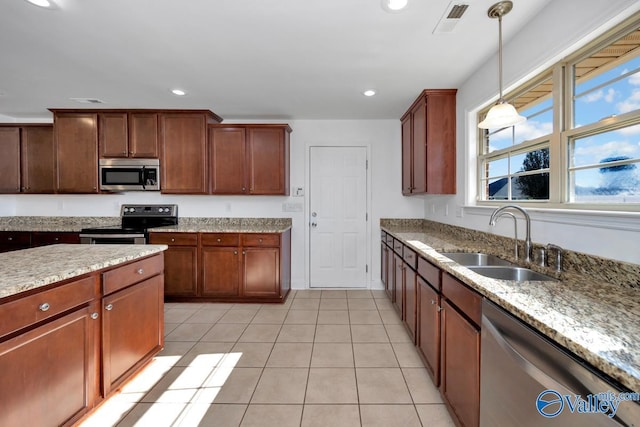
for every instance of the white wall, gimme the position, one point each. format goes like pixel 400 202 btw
pixel 559 29
pixel 381 136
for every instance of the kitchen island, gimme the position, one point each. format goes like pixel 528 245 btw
pixel 76 321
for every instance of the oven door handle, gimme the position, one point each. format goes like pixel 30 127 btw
pixel 118 236
pixel 143 177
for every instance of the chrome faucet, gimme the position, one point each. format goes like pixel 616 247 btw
pixel 505 210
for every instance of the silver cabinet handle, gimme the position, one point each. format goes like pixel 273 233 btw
pixel 44 306
pixel 433 302
pixel 439 309
pixel 109 307
pixel 235 252
pixel 140 271
pixel 94 316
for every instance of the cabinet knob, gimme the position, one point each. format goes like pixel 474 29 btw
pixel 244 189
pixel 9 238
pixel 140 271
pixel 173 240
pixel 56 238
pixel 260 240
pixel 109 307
pixel 244 252
pixel 44 306
pixel 433 302
pixel 219 240
pixel 94 316
pixel 439 309
pixel 235 252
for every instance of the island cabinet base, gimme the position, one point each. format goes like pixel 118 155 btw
pixel 66 347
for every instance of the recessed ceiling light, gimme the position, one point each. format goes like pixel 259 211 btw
pixel 369 92
pixel 178 92
pixel 394 5
pixel 47 4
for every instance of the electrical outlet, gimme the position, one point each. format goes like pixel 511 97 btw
pixel 292 207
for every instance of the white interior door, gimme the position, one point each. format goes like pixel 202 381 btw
pixel 338 217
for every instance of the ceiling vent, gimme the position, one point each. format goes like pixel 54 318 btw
pixel 87 100
pixel 451 17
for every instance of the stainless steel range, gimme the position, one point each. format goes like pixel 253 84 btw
pixel 136 222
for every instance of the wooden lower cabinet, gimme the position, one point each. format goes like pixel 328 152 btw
pixel 232 267
pixel 49 373
pixel 132 330
pixel 261 272
pixel 428 334
pixel 14 240
pixel 399 285
pixel 410 301
pixel 44 238
pixel 460 374
pixel 384 254
pixel 220 271
pixel 391 276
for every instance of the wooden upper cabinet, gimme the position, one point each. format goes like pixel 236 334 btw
pixel 429 144
pixel 268 160
pixel 183 146
pixel 143 135
pixel 76 148
pixel 249 159
pixel 227 150
pixel 133 134
pixel 10 160
pixel 38 155
pixel 113 135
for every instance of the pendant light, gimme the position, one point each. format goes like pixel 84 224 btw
pixel 502 114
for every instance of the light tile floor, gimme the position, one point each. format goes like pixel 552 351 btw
pixel 323 358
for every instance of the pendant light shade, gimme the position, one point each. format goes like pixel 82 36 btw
pixel 502 114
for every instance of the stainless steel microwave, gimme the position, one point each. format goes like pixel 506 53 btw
pixel 129 174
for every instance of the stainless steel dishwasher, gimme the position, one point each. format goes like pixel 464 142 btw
pixel 527 380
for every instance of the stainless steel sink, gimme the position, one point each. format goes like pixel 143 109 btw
pixel 475 259
pixel 518 274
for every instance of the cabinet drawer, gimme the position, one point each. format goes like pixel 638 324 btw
pixel 26 311
pixel 15 237
pixel 429 272
pixel 260 240
pixel 220 239
pixel 43 238
pixel 397 247
pixel 183 239
pixel 129 274
pixel 410 257
pixel 389 240
pixel 467 300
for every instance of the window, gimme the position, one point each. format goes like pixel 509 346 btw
pixel 515 160
pixel 591 156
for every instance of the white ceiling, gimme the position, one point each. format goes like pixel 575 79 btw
pixel 242 59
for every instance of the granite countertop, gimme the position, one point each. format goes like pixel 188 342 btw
pixel 185 225
pixel 32 268
pixel 228 225
pixel 598 321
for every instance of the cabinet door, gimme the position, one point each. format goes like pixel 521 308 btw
pixel 441 147
pixel 143 135
pixel 428 333
pixel 38 159
pixel 183 146
pixel 391 275
pixel 10 160
pixel 384 254
pixel 460 384
pixel 113 138
pixel 43 238
pixel 220 271
pixel 419 147
pixel 399 284
pixel 410 296
pixel 268 154
pixel 76 147
pixel 49 373
pixel 14 240
pixel 261 272
pixel 228 156
pixel 181 271
pixel 132 329
pixel 407 184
